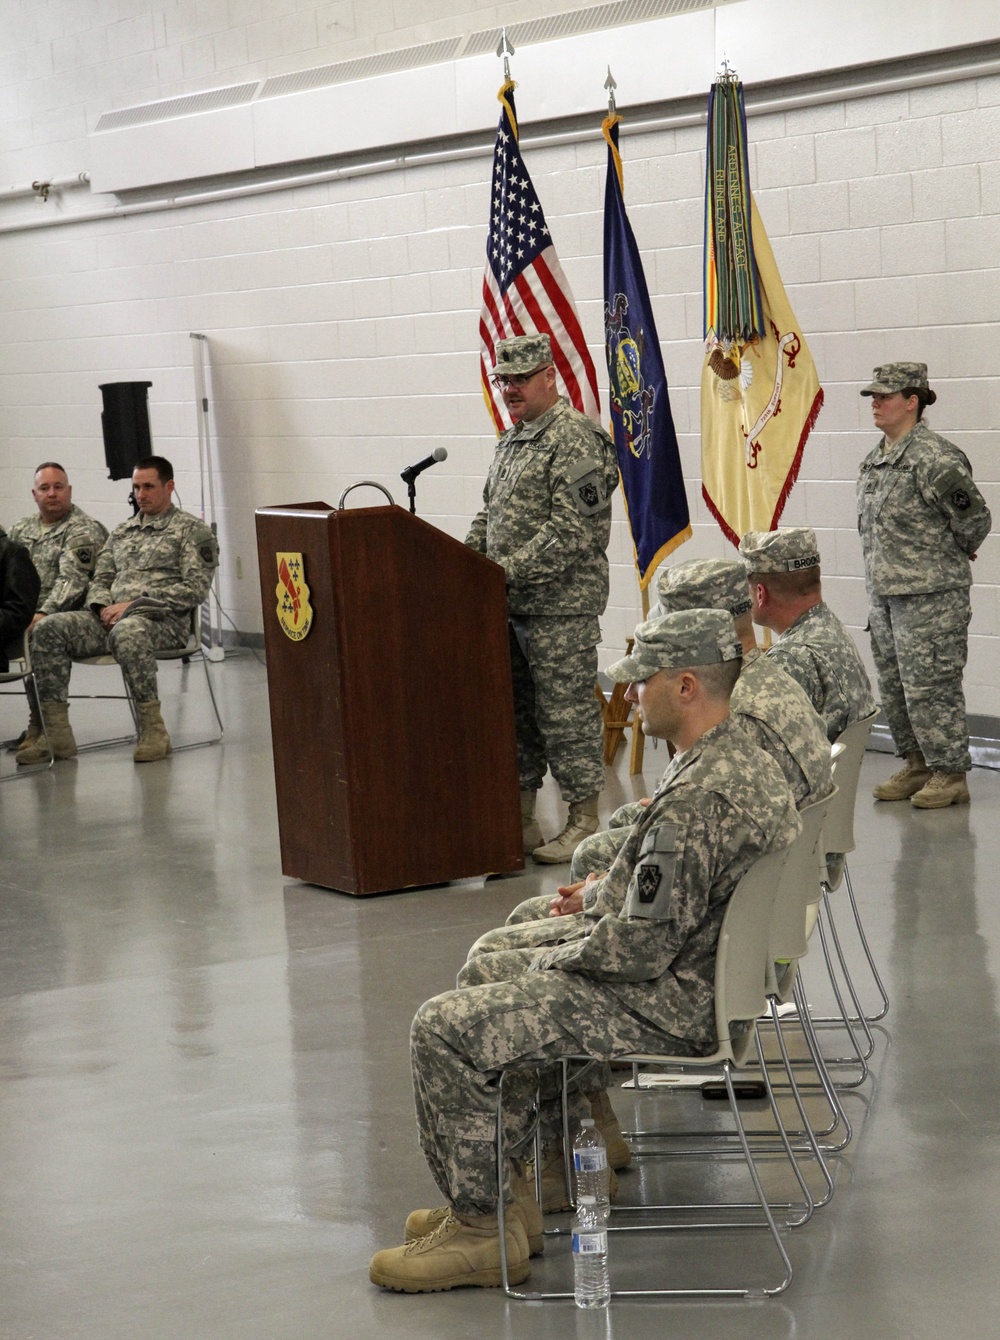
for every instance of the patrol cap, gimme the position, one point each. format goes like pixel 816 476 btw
pixel 676 641
pixel 788 550
pixel 711 584
pixel 521 354
pixel 891 377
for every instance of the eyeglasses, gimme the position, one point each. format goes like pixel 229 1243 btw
pixel 516 379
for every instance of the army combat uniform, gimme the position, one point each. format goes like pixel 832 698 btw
pixel 170 558
pixel 64 555
pixel 819 653
pixel 636 972
pixel 547 521
pixel 778 717
pixel 920 516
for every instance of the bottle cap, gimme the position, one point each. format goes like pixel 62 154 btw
pixel 587 1122
pixel 586 1200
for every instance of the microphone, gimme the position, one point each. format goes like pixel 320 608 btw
pixel 410 473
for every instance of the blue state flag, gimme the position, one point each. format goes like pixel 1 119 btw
pixel 641 422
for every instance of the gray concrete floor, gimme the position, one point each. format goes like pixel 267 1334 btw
pixel 205 1116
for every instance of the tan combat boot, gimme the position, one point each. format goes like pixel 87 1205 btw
pixel 580 823
pixel 524 1206
pixel 420 1222
pixel 57 736
pixel 458 1253
pixel 530 831
pixel 606 1121
pixel 154 742
pixel 34 731
pixel 907 781
pixel 943 789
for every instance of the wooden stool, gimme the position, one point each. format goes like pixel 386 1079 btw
pixel 618 716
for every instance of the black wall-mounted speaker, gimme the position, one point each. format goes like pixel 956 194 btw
pixel 125 421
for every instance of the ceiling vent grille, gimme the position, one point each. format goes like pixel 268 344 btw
pixel 170 108
pixel 614 15
pixel 365 67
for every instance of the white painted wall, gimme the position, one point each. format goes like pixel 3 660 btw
pixel 342 317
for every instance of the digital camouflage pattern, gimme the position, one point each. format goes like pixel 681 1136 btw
pixel 557 718
pixel 522 354
pixel 674 641
pixel 171 558
pixel 893 377
pixel 711 583
pixel 778 717
pixel 820 655
pixel 547 521
pixel 635 973
pixel 919 644
pixel 787 550
pixel 920 515
pixel 547 513
pixel 64 556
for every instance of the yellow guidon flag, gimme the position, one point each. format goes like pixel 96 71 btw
pixel 760 393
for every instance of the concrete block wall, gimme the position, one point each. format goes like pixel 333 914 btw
pixel 342 317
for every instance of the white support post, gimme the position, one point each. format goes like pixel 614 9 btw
pixel 211 612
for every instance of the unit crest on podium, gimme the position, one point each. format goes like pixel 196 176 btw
pixel 294 611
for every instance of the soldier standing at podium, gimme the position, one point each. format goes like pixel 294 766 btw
pixel 546 520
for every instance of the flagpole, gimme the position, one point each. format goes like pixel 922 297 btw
pixel 506 51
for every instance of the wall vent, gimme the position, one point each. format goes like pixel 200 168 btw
pixel 365 67
pixel 616 14
pixel 577 21
pixel 212 100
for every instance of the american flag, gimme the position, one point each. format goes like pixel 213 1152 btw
pixel 524 288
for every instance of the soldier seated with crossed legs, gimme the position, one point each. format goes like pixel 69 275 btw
pixel 638 977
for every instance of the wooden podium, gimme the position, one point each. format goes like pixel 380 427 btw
pixel 392 716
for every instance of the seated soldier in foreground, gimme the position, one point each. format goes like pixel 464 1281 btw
pixel 766 701
pixel 637 977
pixel 814 647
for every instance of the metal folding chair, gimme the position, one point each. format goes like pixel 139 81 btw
pixel 741 969
pixel 192 650
pixel 20 672
pixel 838 837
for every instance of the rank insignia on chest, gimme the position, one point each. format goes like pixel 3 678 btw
pixel 647 879
pixel 295 614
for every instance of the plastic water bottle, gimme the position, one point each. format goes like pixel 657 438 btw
pixel 591 1282
pixel 590 1165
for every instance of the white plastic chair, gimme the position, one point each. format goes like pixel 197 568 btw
pixel 741 968
pixel 839 838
